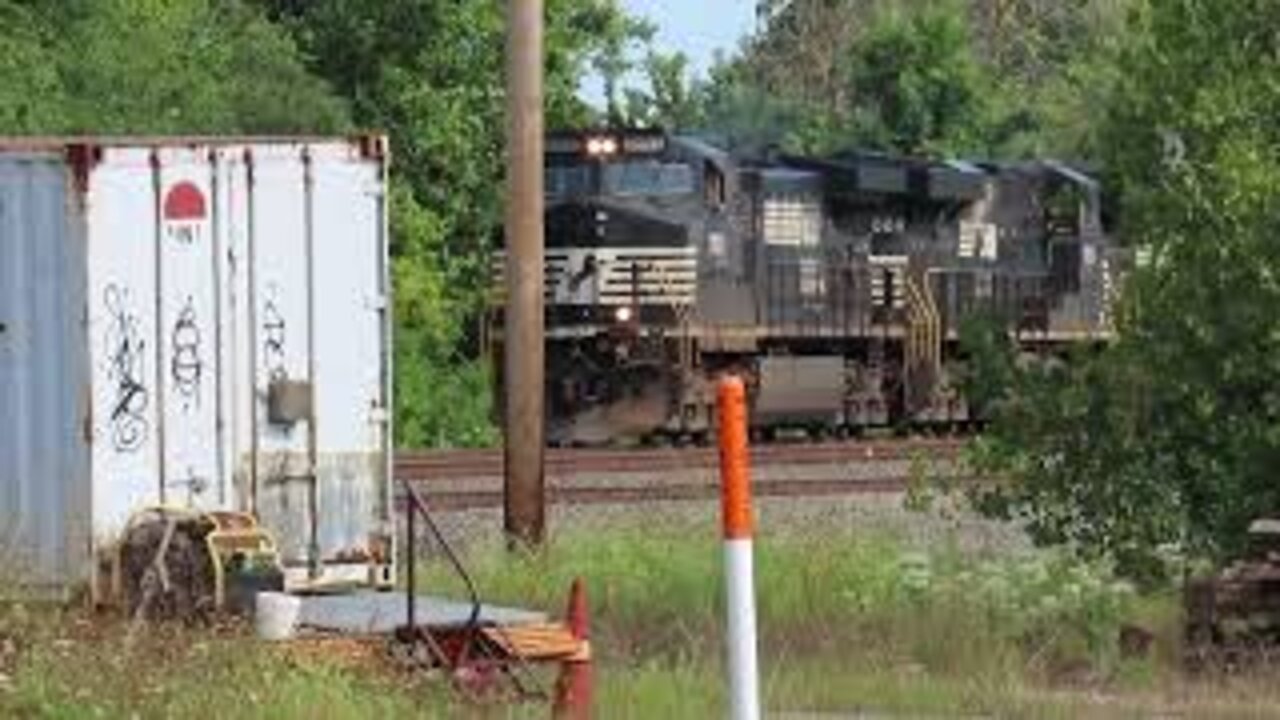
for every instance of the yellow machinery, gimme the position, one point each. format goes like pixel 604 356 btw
pixel 179 562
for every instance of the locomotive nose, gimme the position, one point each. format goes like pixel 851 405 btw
pixel 595 224
pixel 589 269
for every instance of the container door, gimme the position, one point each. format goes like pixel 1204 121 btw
pixel 187 277
pixel 278 283
pixel 305 339
pixel 354 525
pixel 153 333
pixel 120 207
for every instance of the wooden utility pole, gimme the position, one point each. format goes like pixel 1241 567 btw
pixel 524 508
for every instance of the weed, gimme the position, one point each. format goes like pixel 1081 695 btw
pixel 849 621
pixel 657 593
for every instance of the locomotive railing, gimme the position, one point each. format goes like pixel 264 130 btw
pixel 923 349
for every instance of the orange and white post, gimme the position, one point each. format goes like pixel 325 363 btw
pixel 735 505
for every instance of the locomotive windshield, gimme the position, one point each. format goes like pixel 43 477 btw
pixel 647 177
pixel 624 178
pixel 567 180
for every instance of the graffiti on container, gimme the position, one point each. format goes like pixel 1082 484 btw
pixel 125 370
pixel 273 336
pixel 193 483
pixel 185 366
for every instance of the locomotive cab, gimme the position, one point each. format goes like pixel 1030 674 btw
pixel 625 219
pixel 620 209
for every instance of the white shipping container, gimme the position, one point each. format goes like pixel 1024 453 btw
pixel 199 323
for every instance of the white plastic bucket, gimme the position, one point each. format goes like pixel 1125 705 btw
pixel 275 615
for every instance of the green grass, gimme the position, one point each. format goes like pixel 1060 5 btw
pixel 848 622
pixel 74 665
pixel 658 595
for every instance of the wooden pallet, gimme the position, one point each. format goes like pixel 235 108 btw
pixel 539 642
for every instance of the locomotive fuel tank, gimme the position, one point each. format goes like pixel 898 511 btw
pixel 805 390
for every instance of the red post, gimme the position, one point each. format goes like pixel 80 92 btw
pixel 735 460
pixel 739 563
pixel 576 686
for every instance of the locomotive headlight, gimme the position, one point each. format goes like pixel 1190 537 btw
pixel 622 314
pixel 602 146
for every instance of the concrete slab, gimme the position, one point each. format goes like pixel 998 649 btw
pixel 368 612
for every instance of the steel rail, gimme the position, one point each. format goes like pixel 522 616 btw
pixel 445 500
pixel 460 464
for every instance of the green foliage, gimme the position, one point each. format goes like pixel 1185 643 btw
pixel 1003 78
pixel 671 101
pixel 30 87
pixel 76 665
pixel 1054 65
pixel 441 400
pixel 1171 435
pixel 1070 437
pixel 73 666
pixel 185 67
pixel 856 73
pixel 917 86
pixel 621 36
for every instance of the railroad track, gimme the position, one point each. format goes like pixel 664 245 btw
pixel 455 464
pixel 455 500
pixel 468 479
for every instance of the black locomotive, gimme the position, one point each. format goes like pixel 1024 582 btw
pixel 836 284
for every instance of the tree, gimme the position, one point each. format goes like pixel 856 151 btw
pixel 1031 72
pixel 621 35
pixel 825 74
pixel 671 100
pixel 916 84
pixel 188 66
pixel 742 114
pixel 1171 435
pixel 1056 63
pixel 801 52
pixel 30 87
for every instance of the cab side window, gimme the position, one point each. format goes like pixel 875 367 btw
pixel 713 186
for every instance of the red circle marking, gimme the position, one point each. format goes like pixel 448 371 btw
pixel 184 202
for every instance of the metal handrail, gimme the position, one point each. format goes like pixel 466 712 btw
pixel 419 506
pixel 472 634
